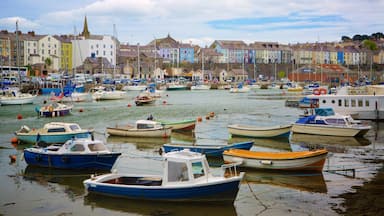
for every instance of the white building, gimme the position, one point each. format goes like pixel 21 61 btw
pixel 50 47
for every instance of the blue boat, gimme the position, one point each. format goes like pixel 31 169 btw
pixel 52 132
pixel 186 178
pixel 74 154
pixel 209 150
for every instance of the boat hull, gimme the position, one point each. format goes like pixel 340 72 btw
pixel 182 126
pixel 49 138
pixel 129 132
pixel 212 191
pixel 260 132
pixel 329 130
pixel 17 100
pixel 99 161
pixel 214 151
pixel 313 161
pixel 116 95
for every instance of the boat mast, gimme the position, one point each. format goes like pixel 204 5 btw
pixel 17 51
pixel 202 62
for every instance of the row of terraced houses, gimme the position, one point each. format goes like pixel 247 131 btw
pixel 53 53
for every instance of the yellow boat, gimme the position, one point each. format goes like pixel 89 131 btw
pixel 303 160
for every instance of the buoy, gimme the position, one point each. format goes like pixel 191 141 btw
pixel 81 110
pixel 207 117
pixel 211 114
pixel 164 102
pixel 129 105
pixel 14 140
pixel 199 119
pixel 19 116
pixel 13 158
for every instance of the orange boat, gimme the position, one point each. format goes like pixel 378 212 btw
pixel 303 160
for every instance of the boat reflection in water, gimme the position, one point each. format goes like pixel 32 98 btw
pixel 156 208
pixel 265 144
pixel 303 181
pixel 141 143
pixel 331 143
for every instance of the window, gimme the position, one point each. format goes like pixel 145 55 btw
pixel 74 127
pixel 54 130
pixel 367 103
pixel 346 102
pixel 197 169
pixel 340 102
pixel 77 148
pixel 96 147
pixel 177 171
pixel 353 103
pixel 360 103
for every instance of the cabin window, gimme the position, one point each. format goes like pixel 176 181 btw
pixel 53 130
pixel 145 126
pixel 335 121
pixel 74 127
pixel 353 103
pixel 177 171
pixel 346 103
pixel 367 103
pixel 77 148
pixel 96 147
pixel 360 103
pixel 324 101
pixel 197 169
pixel 340 102
pixel 333 101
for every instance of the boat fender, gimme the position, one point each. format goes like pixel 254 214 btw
pixel 65 159
pixel 316 92
pixel 323 91
pixel 266 162
pixel 50 108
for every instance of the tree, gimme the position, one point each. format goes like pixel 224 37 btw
pixel 48 62
pixel 345 38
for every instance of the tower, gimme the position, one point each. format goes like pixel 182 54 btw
pixel 85 32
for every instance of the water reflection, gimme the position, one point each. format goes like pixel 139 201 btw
pixel 278 143
pixel 140 142
pixel 331 143
pixel 156 207
pixel 303 181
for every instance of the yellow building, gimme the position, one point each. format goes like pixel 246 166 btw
pixel 66 52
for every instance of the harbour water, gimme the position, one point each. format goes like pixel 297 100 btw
pixel 32 191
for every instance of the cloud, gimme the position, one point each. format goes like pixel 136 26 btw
pixel 10 23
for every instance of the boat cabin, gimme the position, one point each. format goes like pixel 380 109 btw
pixel 185 166
pixel 80 146
pixel 53 127
pixel 327 116
pixel 148 124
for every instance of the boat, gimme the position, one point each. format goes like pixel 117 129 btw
pixel 186 177
pixel 326 122
pixel 300 160
pixel 240 88
pixel 144 98
pixel 83 153
pixel 183 125
pixel 54 110
pixel 208 150
pixel 52 132
pixel 106 93
pixel 141 128
pixel 200 87
pixel 176 86
pixel 16 98
pixel 76 97
pixel 134 88
pixel 258 131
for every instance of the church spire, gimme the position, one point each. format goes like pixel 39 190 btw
pixel 85 32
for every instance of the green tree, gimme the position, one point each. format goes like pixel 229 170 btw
pixel 281 74
pixel 48 62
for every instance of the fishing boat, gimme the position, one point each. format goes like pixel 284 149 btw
pixel 81 153
pixel 106 93
pixel 14 97
pixel 186 177
pixel 208 150
pixel 52 132
pixel 142 128
pixel 174 86
pixel 326 122
pixel 301 160
pixel 257 131
pixel 54 110
pixel 144 98
pixel 184 125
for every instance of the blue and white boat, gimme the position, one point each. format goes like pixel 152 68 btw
pixel 208 150
pixel 53 132
pixel 73 154
pixel 54 110
pixel 186 178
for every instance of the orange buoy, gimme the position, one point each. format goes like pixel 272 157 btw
pixel 129 105
pixel 207 117
pixel 13 158
pixel 199 119
pixel 81 110
pixel 164 102
pixel 19 116
pixel 211 114
pixel 14 140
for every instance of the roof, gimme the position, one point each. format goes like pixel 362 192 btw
pixel 185 154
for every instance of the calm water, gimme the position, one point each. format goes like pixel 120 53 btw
pixel 34 191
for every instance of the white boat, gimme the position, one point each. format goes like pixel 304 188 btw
pixel 186 177
pixel 142 128
pixel 134 88
pixel 239 89
pixel 76 97
pixel 16 98
pixel 369 107
pixel 257 131
pixel 106 93
pixel 54 110
pixel 144 98
pixel 327 122
pixel 176 86
pixel 200 87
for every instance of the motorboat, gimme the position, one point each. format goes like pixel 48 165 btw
pixel 141 128
pixel 14 97
pixel 81 153
pixel 144 98
pixel 326 122
pixel 52 132
pixel 106 93
pixel 183 125
pixel 240 88
pixel 259 131
pixel 54 109
pixel 186 177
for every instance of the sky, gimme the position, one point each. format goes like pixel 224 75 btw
pixel 199 22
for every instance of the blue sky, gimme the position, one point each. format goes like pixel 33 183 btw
pixel 199 21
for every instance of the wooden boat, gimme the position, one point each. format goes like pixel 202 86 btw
pixel 255 131
pixel 53 132
pixel 209 150
pixel 73 154
pixel 142 128
pixel 144 99
pixel 304 160
pixel 186 178
pixel 326 122
pixel 184 125
pixel 54 110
